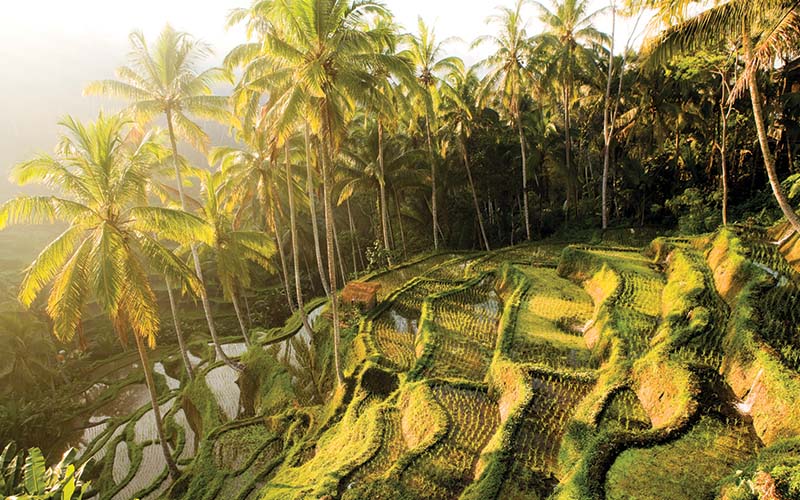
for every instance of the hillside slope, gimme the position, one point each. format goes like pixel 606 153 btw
pixel 539 371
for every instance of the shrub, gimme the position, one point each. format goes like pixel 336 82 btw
pixel 696 212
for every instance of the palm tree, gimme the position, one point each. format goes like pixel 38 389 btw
pixel 232 248
pixel 508 78
pixel 317 63
pixel 610 113
pixel 165 194
pixel 28 354
pixel 459 112
pixel 290 188
pixel 568 28
pixel 108 247
pixel 425 54
pixel 384 104
pixel 252 170
pixel 162 80
pixel 764 29
pixel 361 173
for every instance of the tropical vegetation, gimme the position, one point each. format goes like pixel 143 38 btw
pixel 567 271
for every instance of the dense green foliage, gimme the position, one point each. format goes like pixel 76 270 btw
pixel 577 364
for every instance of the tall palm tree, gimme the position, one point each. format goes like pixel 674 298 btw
pixel 290 191
pixel 232 248
pixel 508 78
pixel 384 104
pixel 459 111
pixel 317 62
pixel 252 170
pixel 764 30
pixel 108 247
pixel 610 113
pixel 563 45
pixel 425 53
pixel 28 354
pixel 163 81
pixel 159 189
pixel 360 172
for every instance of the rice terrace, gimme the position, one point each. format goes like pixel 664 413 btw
pixel 379 250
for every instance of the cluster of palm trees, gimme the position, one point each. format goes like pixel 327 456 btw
pixel 336 108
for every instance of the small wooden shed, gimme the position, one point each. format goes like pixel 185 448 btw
pixel 362 294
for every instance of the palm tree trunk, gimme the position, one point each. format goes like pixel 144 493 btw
pixel 281 254
pixel 178 332
pixel 240 318
pixel 382 184
pixel 607 119
pixel 212 329
pixel 247 310
pixel 295 252
pixel 568 149
pixel 352 236
pixel 524 154
pixel 400 223
pixel 475 196
pixel 433 183
pixel 332 294
pixel 312 208
pixel 340 258
pixel 769 160
pixel 162 437
pixel 723 152
pixel 354 229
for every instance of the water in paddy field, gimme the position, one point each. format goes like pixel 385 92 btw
pixel 172 382
pixel 404 324
pixel 101 453
pixel 153 464
pixel 285 347
pixel 222 383
pixel 122 462
pixel 129 399
pixel 490 306
pixel 82 438
pixel 190 446
pixel 232 350
pixel 195 361
pixel 91 394
pixel 145 428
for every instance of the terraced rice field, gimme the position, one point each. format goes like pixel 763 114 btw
pixel 466 324
pixel 449 466
pixel 394 279
pixel 685 468
pixel 152 465
pixel 430 407
pixel 638 303
pixel 624 412
pixel 551 321
pixel 395 330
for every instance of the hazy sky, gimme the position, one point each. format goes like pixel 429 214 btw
pixel 49 49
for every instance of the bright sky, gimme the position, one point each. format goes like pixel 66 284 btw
pixel 49 49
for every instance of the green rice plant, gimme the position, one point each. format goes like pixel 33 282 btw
pixel 695 327
pixel 393 332
pixel 462 326
pixel 689 467
pixel 552 317
pixel 392 447
pixel 396 277
pixel 623 411
pixel 445 469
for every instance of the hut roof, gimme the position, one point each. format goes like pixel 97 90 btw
pixel 358 291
